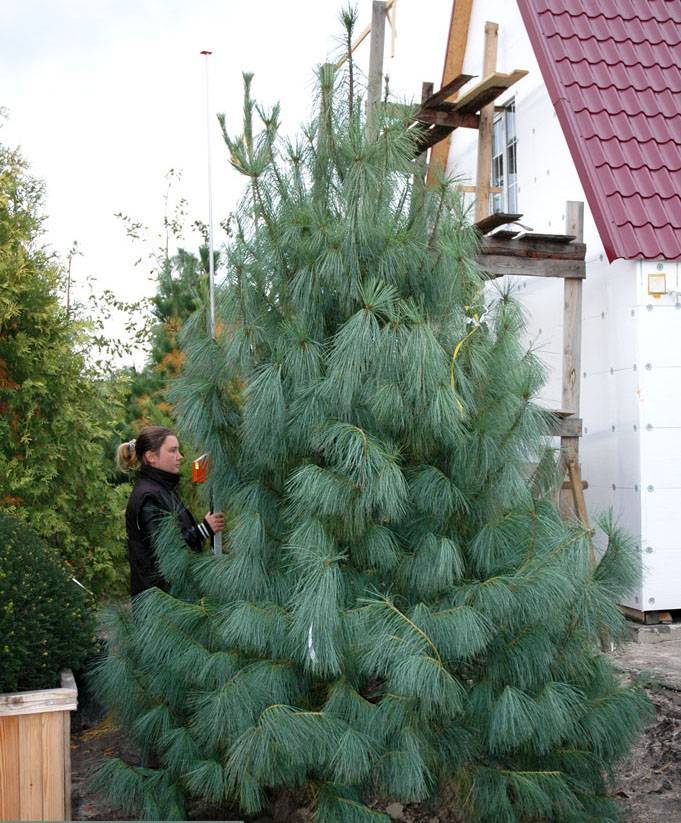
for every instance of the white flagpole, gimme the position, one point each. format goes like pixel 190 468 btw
pixel 217 538
pixel 211 271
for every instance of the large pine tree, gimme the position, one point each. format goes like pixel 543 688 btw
pixel 398 608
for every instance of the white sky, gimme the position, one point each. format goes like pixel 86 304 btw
pixel 105 96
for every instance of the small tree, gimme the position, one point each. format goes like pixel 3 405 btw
pixel 55 413
pixel 399 607
pixel 46 621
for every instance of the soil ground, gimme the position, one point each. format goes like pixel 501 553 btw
pixel 647 786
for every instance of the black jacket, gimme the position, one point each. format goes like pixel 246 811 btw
pixel 154 494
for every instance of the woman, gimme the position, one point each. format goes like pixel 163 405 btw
pixel 156 452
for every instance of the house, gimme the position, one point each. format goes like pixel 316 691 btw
pixel 598 119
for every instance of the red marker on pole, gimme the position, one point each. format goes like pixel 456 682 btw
pixel 200 469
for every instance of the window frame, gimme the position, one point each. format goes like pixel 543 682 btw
pixel 504 130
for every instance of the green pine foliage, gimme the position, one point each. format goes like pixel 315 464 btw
pixel 399 608
pixel 46 620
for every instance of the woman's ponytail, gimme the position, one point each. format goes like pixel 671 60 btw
pixel 126 456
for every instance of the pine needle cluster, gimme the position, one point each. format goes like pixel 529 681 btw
pixel 398 609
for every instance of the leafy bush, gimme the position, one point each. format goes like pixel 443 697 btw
pixel 57 414
pixel 46 620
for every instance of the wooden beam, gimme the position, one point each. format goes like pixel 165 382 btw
pixel 572 348
pixel 577 489
pixel 377 46
pixel 567 427
pixel 505 234
pixel 533 236
pixel 501 265
pixel 432 137
pixel 493 221
pixel 441 96
pixel 362 36
pixel 455 51
pixel 41 700
pixel 420 172
pixel 633 614
pixel 489 88
pixel 452 119
pixel 471 190
pixel 484 164
pixel 539 250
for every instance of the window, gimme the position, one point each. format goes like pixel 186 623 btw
pixel 504 161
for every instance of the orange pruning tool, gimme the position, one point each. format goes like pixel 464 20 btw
pixel 200 468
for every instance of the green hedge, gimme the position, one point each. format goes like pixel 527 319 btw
pixel 46 620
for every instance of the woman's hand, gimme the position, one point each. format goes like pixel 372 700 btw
pixel 216 520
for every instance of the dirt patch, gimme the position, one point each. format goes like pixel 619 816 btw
pixel 91 743
pixel 647 787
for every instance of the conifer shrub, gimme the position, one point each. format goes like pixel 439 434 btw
pixel 46 620
pixel 399 608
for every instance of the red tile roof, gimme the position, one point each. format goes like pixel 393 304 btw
pixel 613 71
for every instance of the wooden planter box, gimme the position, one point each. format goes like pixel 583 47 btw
pixel 35 752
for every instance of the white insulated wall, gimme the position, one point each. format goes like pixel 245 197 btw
pixel 659 387
pixel 631 343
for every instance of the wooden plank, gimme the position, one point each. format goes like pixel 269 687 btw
pixel 452 119
pixel 572 336
pixel 41 700
pixel 493 244
pixel 376 49
pixel 68 681
pixel 484 161
pixel 575 476
pixel 528 236
pixel 441 96
pixel 9 768
pixel 567 427
pixel 486 98
pixel 633 614
pixel 53 765
pixel 478 95
pixel 30 768
pixel 457 38
pixel 505 234
pixel 430 138
pixel 572 348
pixel 500 265
pixel 421 159
pixel 567 485
pixel 66 747
pixel 493 221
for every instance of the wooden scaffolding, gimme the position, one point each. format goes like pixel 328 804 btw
pixel 505 248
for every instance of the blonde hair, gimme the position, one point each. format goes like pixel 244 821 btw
pixel 126 457
pixel 130 455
